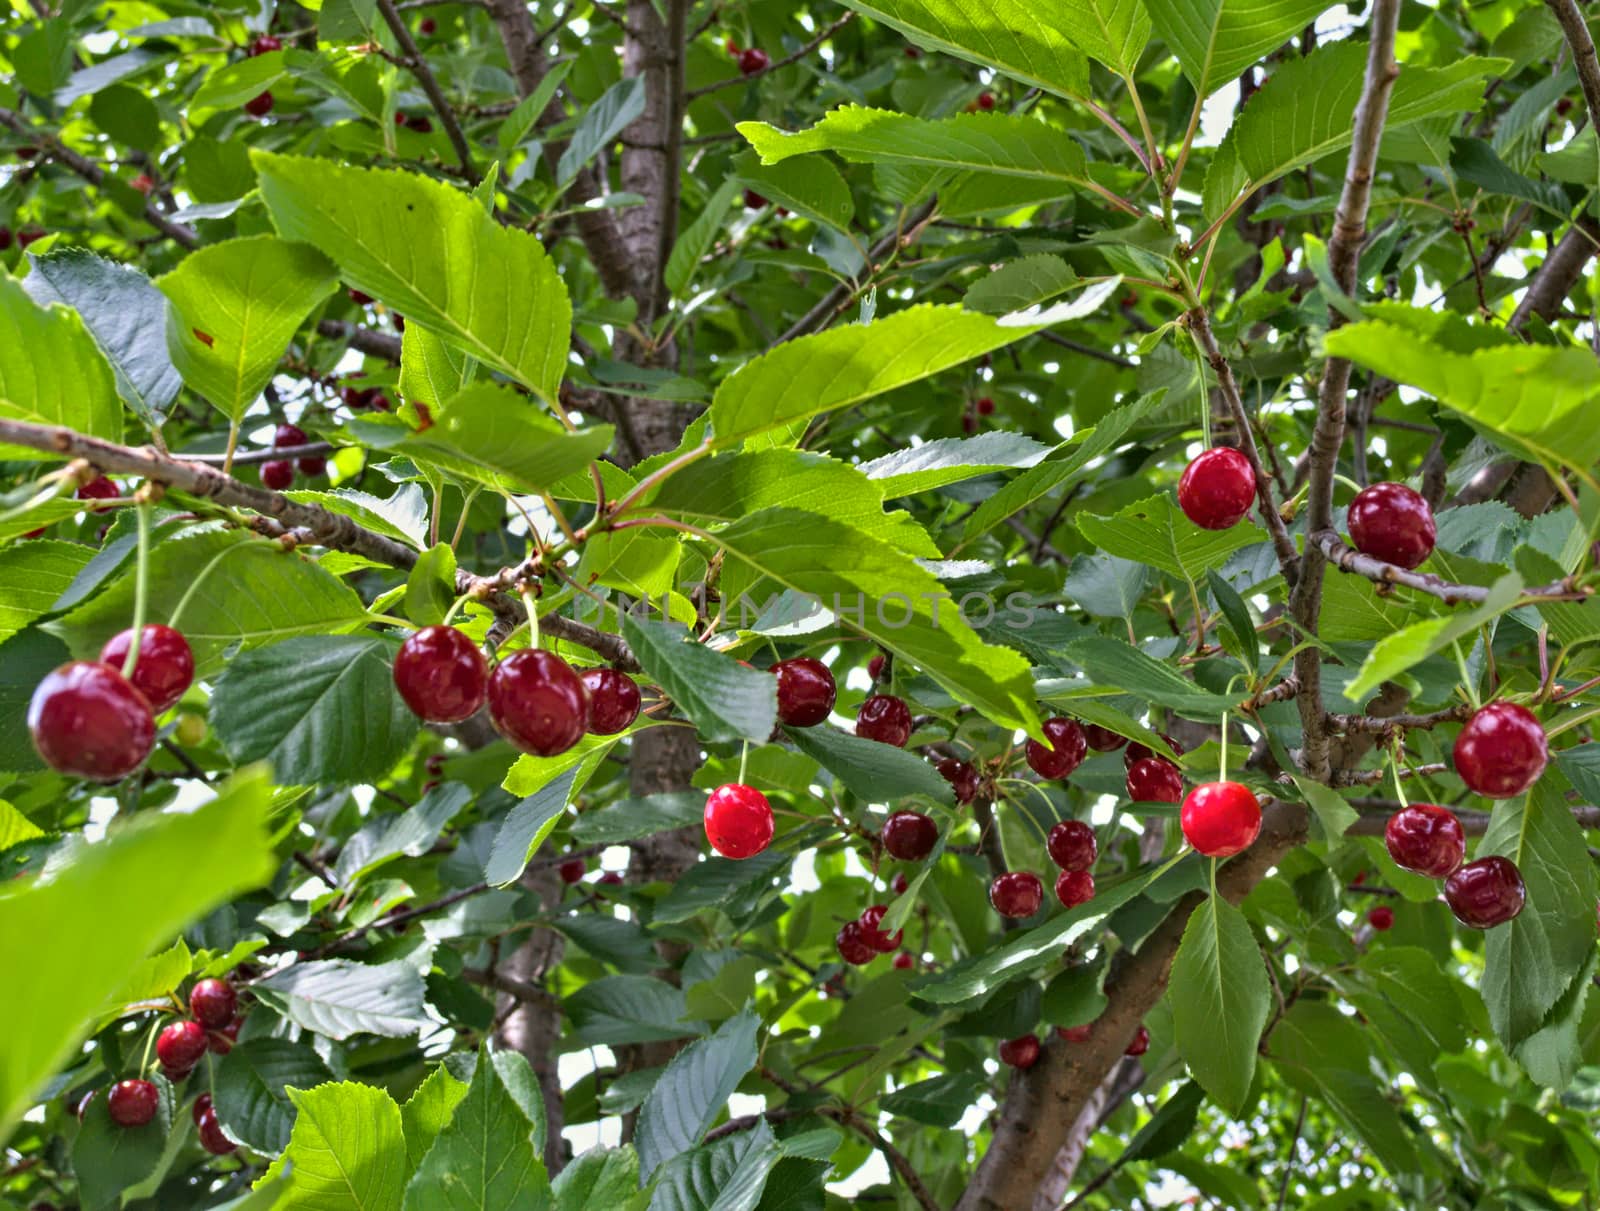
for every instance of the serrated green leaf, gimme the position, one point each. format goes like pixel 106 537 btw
pixel 1398 652
pixel 51 370
pixel 525 828
pixel 1156 532
pixel 1022 283
pixel 697 239
pixel 36 574
pixel 1220 999
pixel 601 1177
pixel 726 700
pixel 693 1090
pixel 873 771
pixel 815 188
pixel 601 123
pixel 949 460
pixel 1215 40
pixel 339 998
pixel 347 1152
pixel 431 586
pixel 107 1157
pixel 432 371
pixel 628 1009
pixel 428 1111
pixel 250 1089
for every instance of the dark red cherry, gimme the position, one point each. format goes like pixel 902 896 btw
pixel 277 474
pixel 212 1138
pixel 212 1003
pixel 872 931
pixel 613 701
pixel 288 435
pixel 1138 752
pixel 805 691
pixel 1155 780
pixel 1486 893
pixel 312 465
pixel 420 123
pixel 260 105
pixel 962 777
pixel 986 101
pixel 899 883
pixel 132 1103
pixel 753 200
pixel 910 836
pixel 180 1045
pixel 1074 887
pixel 1501 751
pixel 1220 818
pixel 1392 523
pixel 572 870
pixel 984 406
pixel 1066 751
pixel 87 721
pixel 201 1105
pixel 1217 489
pixel 360 299
pixel 1016 894
pixel 1381 918
pixel 427 27
pixel 1072 845
pixel 1426 840
pixel 264 44
pixel 1140 1044
pixel 886 719
pixel 875 666
pixel 165 668
pixel 538 703
pixel 222 1039
pixel 1103 740
pixel 1075 1034
pixel 99 488
pixel 752 60
pixel 609 879
pixel 1020 1053
pixel 852 944
pixel 441 675
pixel 738 821
pixel 904 962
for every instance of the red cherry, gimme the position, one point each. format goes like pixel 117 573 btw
pixel 360 299
pixel 985 101
pixel 99 488
pixel 420 123
pixel 899 883
pixel 904 962
pixel 1381 918
pixel 441 675
pixel 613 701
pixel 222 1039
pixel 1020 1053
pixel 738 821
pixel 25 238
pixel 5 238
pixel 1074 887
pixel 805 691
pixel 132 1103
pixel 260 105
pixel 910 836
pixel 1424 839
pixel 872 931
pixel 1392 523
pixel 753 200
pixel 288 435
pixel 1221 818
pixel 143 183
pixel 1066 751
pixel 1155 780
pixel 961 776
pixel 201 1105
pixel 1103 740
pixel 427 27
pixel 180 1045
pixel 753 60
pixel 610 879
pixel 1486 893
pixel 969 424
pixel 212 1138
pixel 212 1003
pixel 1140 1044
pixel 1075 1034
pixel 165 668
pixel 886 719
pixel 1072 845
pixel 1217 489
pixel 277 474
pixel 1501 751
pixel 87 721
pixel 1016 894
pixel 984 406
pixel 875 666
pixel 312 465
pixel 538 703
pixel 911 52
pixel 1138 752
pixel 264 44
pixel 852 944
pixel 572 870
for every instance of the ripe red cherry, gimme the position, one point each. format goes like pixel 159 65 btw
pixel 1075 1034
pixel 132 1103
pixel 222 1039
pixel 984 406
pixel 886 719
pixel 752 60
pixel 1020 1053
pixel 899 883
pixel 1381 918
pixel 1486 893
pixel 738 821
pixel 1137 752
pixel 753 200
pixel 288 435
pixel 212 1138
pixel 313 465
pixel 441 675
pixel 212 1003
pixel 260 105
pixel 1501 751
pixel 985 101
pixel 1074 887
pixel 1140 1044
pixel 1220 818
pixel 1066 751
pixel 613 701
pixel 87 721
pixel 610 879
pixel 1217 489
pixel 904 962
pixel 1392 523
pixel 852 944
pixel 180 1045
pixel 538 703
pixel 361 299
pixel 99 488
pixel 910 836
pixel 427 27
pixel 264 44
pixel 872 931
pixel 572 870
pixel 961 776
pixel 1426 840
pixel 1155 780
pixel 165 668
pixel 1103 740
pixel 277 474
pixel 201 1105
pixel 143 183
pixel 875 666
pixel 1016 894
pixel 805 691
pixel 1072 845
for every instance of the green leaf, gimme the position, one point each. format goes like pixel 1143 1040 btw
pixel 410 833
pixel 1398 652
pixel 1353 611
pixel 231 85
pixel 36 574
pixel 431 586
pixel 939 1101
pixel 432 253
pixel 428 1111
pixel 1109 661
pixel 1220 999
pixel 601 1177
pixel 402 516
pixel 51 371
pixel 339 998
pixel 525 828
pixel 1241 628
pixel 1020 284
pixel 724 699
pixel 949 460
pixel 720 883
pixel 250 1089
pixel 76 953
pixel 697 239
pixel 24 660
pixel 815 189
pixel 432 371
pixel 108 1158
pixel 1074 997
pixel 728 1175
pixel 1475 162
pixel 318 709
pixel 347 1153
pixel 1156 532
pixel 693 1091
pixel 873 771
pixel 1215 40
pixel 1104 585
pixel 235 308
pixel 600 124
pixel 1168 1127
pixel 628 1009
pixel 631 819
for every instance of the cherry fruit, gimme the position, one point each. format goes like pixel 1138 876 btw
pixel 613 701
pixel 1020 1053
pixel 852 944
pixel 1501 751
pixel 752 60
pixel 1138 752
pixel 132 1103
pixel 805 691
pixel 538 703
pixel 1074 887
pixel 1486 893
pixel 212 1003
pixel 886 719
pixel 1392 523
pixel 288 435
pixel 962 777
pixel 738 821
pixel 212 1138
pixel 222 1039
pixel 88 721
pixel 313 465
pixel 441 675
pixel 1140 1044
pixel 1075 1034
pixel 984 406
pixel 875 666
pixel 1217 489
pixel 900 883
pixel 1102 739
pixel 1016 894
pixel 277 474
pixel 572 870
pixel 753 200
pixel 1426 840
pixel 1155 780
pixel 164 669
pixel 986 101
pixel 260 105
pixel 872 930
pixel 1072 845
pixel 201 1105
pixel 180 1045
pixel 910 836
pixel 1220 818
pixel 1065 752
pixel 99 488
pixel 1381 918
pixel 427 27
pixel 264 44
pixel 904 962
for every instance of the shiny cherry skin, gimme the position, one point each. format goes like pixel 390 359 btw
pixel 201 1105
pixel 985 101
pixel 900 883
pixel 180 1045
pixel 872 930
pixel 1392 523
pixel 886 719
pixel 441 675
pixel 1074 887
pixel 1426 840
pixel 132 1103
pixel 752 60
pixel 221 1040
pixel 1140 1044
pixel 165 668
pixel 961 776
pixel 1103 739
pixel 86 720
pixel 288 435
pixel 1220 818
pixel 99 488
pixel 1075 1034
pixel 738 821
pixel 260 105
pixel 904 962
pixel 572 870
pixel 1381 918
pixel 613 701
pixel 805 691
pixel 277 474
pixel 1072 845
pixel 1020 1053
pixel 852 945
pixel 1155 780
pixel 263 44
pixel 212 1138
pixel 1486 893
pixel 1501 751
pixel 1068 745
pixel 1016 894
pixel 875 666
pixel 910 836
pixel 1139 752
pixel 212 1002
pixel 538 703
pixel 1217 489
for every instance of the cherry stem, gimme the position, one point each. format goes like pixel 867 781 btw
pixel 1394 766
pixel 1222 761
pixel 1348 482
pixel 455 608
pixel 744 759
pixel 141 588
pixel 1466 676
pixel 1205 394
pixel 533 618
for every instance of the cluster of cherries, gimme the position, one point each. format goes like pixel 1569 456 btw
pixel 864 939
pixel 1023 1052
pixel 983 406
pixel 278 473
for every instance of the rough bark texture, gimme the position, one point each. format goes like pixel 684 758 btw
pixel 531 1028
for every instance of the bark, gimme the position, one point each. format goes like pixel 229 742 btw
pixel 531 1027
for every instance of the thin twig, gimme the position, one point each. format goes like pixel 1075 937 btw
pixel 418 66
pixel 1345 558
pixel 695 93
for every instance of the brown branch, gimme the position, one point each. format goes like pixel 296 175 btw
pixel 1576 30
pixel 1348 559
pixel 695 94
pixel 419 68
pixel 897 1159
pixel 521 990
pixel 244 457
pixel 1372 777
pixel 364 340
pixel 1383 723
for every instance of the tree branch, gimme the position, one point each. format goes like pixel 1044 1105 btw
pixel 1576 30
pixel 1348 559
pixel 419 68
pixel 695 94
